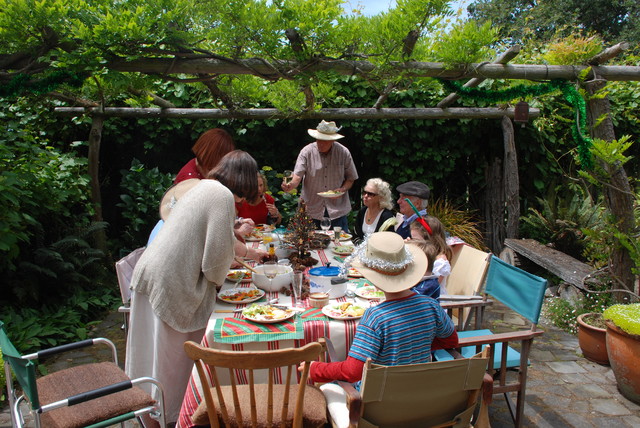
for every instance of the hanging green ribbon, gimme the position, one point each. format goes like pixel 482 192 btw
pixel 571 94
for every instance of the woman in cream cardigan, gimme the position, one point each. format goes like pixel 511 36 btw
pixel 174 282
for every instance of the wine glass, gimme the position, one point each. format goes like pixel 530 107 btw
pixel 325 224
pixel 270 269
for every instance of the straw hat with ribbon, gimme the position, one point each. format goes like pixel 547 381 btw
pixel 173 193
pixel 388 262
pixel 326 131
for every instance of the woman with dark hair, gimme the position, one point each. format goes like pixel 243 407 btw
pixel 210 147
pixel 174 282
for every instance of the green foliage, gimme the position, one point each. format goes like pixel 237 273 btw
pixel 3 380
pixel 626 317
pixel 573 49
pixel 564 215
pixel 466 43
pixel 287 202
pixel 56 323
pixel 458 222
pixel 140 201
pixel 563 314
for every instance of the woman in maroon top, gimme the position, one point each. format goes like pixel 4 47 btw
pixel 210 147
pixel 263 207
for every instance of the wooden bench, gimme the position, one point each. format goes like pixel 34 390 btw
pixel 558 263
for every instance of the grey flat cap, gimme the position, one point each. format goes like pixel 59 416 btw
pixel 414 188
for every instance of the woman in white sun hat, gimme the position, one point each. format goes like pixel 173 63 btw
pixel 403 328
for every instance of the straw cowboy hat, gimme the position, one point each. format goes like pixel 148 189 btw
pixel 174 193
pixel 326 131
pixel 390 263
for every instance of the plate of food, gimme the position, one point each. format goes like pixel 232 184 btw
pixel 267 314
pixel 343 311
pixel 369 292
pixel 354 273
pixel 330 194
pixel 234 275
pixel 345 236
pixel 265 228
pixel 254 236
pixel 343 250
pixel 240 295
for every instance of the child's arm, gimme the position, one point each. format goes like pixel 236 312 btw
pixel 349 370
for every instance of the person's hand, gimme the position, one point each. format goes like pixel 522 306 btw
pixel 244 229
pixel 256 254
pixel 302 364
pixel 287 187
pixel 235 265
pixel 273 210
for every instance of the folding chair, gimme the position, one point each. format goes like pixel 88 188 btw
pixel 464 285
pixel 436 394
pixel 523 293
pixel 124 271
pixel 294 403
pixel 95 394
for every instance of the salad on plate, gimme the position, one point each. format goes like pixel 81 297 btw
pixel 343 311
pixel 267 313
pixel 369 292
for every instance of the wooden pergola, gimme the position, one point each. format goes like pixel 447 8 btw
pixel 504 193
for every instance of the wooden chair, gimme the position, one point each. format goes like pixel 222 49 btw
pixel 94 394
pixel 464 285
pixel 523 293
pixel 124 271
pixel 294 403
pixel 437 394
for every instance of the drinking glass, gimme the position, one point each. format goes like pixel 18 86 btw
pixel 297 288
pixel 287 176
pixel 325 224
pixel 270 269
pixel 337 230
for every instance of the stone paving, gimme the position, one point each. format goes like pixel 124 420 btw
pixel 564 389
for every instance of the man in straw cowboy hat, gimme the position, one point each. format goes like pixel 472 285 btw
pixel 325 166
pixel 405 327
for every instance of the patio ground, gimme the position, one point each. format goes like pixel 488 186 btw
pixel 564 389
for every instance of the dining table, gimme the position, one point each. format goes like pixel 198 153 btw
pixel 227 329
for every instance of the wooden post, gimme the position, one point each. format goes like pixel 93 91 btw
pixel 618 192
pixel 494 206
pixel 95 137
pixel 511 180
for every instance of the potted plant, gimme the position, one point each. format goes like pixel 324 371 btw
pixel 623 345
pixel 592 337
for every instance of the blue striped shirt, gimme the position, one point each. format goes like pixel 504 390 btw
pixel 400 331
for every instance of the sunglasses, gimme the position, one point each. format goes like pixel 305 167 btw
pixel 369 194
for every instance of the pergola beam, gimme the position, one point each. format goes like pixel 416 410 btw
pixel 288 69
pixel 507 56
pixel 270 113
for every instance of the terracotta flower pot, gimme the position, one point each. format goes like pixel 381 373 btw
pixel 624 349
pixel 592 340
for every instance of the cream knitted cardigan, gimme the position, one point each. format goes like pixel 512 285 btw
pixel 189 256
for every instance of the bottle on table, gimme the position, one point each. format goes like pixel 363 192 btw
pixel 271 253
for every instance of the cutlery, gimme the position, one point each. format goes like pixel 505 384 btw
pixel 243 263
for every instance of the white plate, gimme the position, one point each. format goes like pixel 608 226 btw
pixel 265 228
pixel 345 236
pixel 353 273
pixel 288 314
pixel 226 294
pixel 233 275
pixel 369 292
pixel 337 250
pixel 333 310
pixel 254 237
pixel 330 195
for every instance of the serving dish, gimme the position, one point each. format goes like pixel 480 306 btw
pixel 343 311
pixel 241 295
pixel 267 314
pixel 283 278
